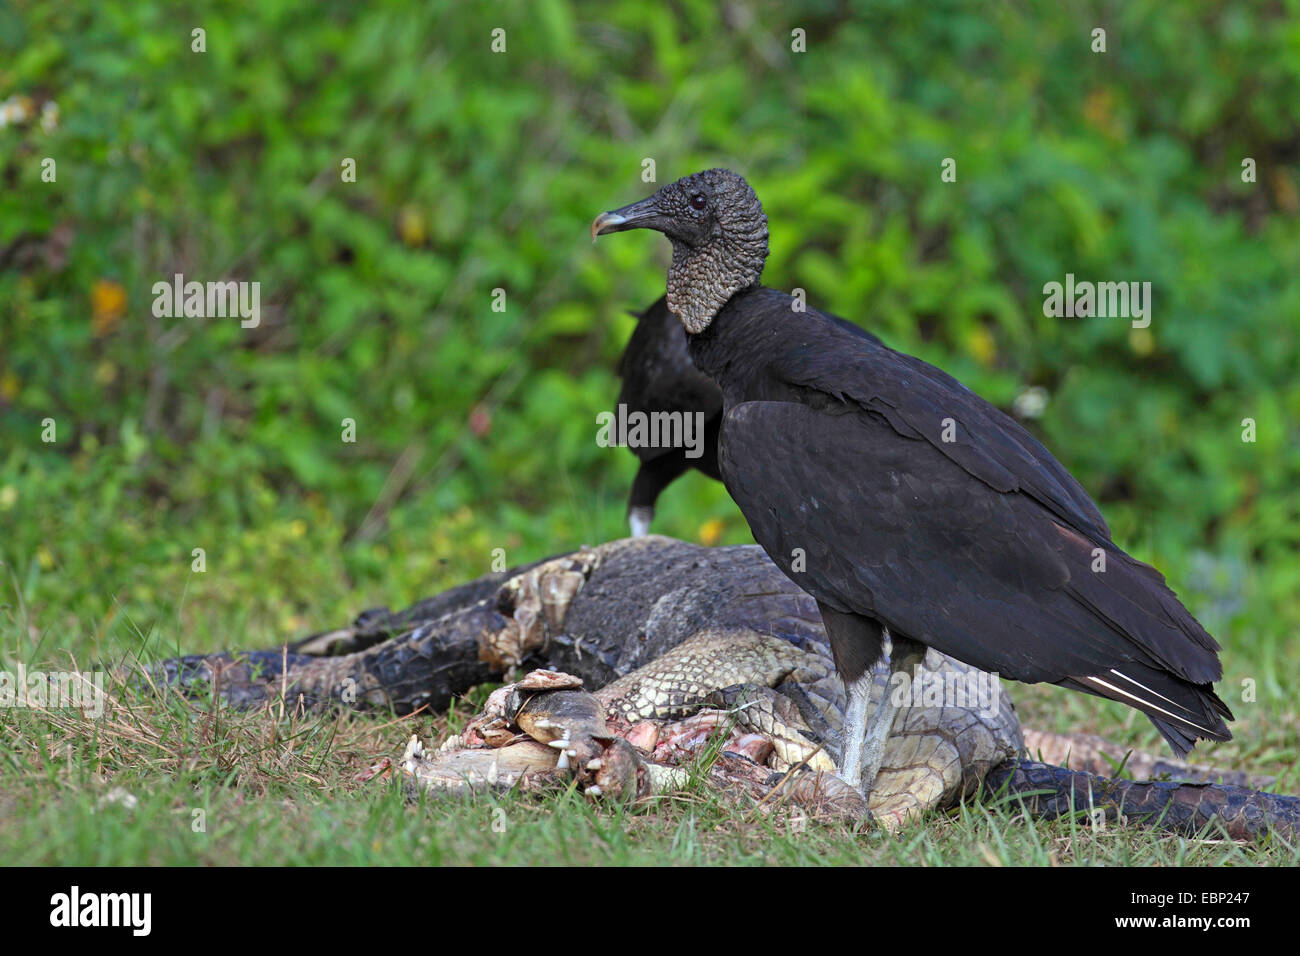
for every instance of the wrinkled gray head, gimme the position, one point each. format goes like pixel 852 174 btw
pixel 719 235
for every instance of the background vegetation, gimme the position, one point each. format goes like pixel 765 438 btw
pixel 479 170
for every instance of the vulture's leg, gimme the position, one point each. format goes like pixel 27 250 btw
pixel 858 692
pixel 651 478
pixel 906 655
pixel 857 642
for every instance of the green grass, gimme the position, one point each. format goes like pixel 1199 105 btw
pixel 272 791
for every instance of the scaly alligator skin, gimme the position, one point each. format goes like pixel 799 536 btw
pixel 679 640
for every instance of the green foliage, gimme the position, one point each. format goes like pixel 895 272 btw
pixel 477 171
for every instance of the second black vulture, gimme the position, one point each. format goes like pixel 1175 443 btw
pixel 659 377
pixel 907 505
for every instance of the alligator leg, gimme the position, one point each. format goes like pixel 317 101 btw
pixel 768 713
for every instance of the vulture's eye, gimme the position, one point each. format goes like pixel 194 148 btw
pixel 698 201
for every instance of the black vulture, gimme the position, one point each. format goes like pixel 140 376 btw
pixel 659 376
pixel 908 506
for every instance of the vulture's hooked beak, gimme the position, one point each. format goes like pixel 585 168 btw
pixel 639 215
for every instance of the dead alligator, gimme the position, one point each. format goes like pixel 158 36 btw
pixel 681 643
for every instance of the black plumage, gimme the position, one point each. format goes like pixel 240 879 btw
pixel 658 376
pixel 907 504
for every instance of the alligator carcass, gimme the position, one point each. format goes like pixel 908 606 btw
pixel 623 662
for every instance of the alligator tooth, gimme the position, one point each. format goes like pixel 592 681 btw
pixel 563 762
pixel 492 773
pixel 414 751
pixel 594 764
pixel 593 791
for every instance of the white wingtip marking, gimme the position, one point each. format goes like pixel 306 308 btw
pixel 1147 703
pixel 1144 687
